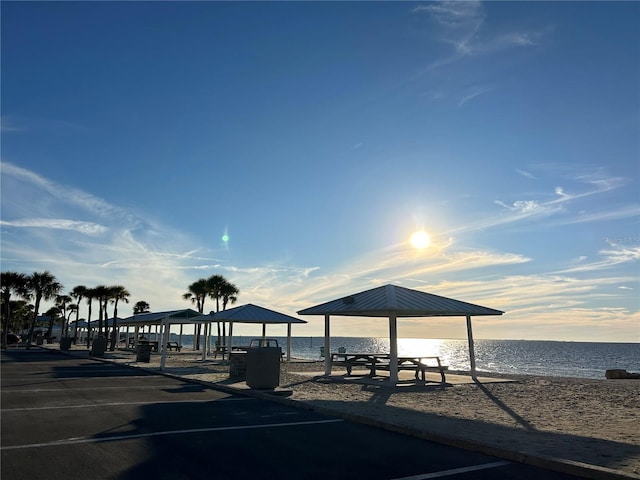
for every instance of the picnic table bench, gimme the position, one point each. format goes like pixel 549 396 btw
pixel 350 360
pixel 174 346
pixel 381 361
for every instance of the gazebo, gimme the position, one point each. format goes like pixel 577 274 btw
pixel 393 302
pixel 250 313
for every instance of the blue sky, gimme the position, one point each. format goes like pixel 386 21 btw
pixel 319 136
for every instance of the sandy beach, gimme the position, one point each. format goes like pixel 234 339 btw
pixel 595 422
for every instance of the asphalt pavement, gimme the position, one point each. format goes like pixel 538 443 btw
pixel 65 417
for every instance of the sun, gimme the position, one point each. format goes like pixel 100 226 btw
pixel 420 239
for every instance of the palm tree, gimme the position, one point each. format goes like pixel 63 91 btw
pixel 197 294
pixel 215 284
pixel 78 293
pixel 118 292
pixel 54 314
pixel 72 307
pixel 141 307
pixel 101 293
pixel 229 293
pixel 62 301
pixel 42 285
pixel 90 295
pixel 21 313
pixel 221 289
pixel 11 283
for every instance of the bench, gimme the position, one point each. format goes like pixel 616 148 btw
pixel 349 364
pixel 174 346
pixel 417 366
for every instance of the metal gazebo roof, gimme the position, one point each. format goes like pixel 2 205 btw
pixel 399 301
pixel 156 318
pixel 250 313
pixel 393 301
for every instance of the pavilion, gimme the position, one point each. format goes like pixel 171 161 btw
pixel 393 302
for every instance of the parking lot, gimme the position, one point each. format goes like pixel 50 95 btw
pixel 68 417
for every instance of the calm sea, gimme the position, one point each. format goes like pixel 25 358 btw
pixel 558 359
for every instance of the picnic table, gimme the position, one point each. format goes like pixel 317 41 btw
pixel 382 361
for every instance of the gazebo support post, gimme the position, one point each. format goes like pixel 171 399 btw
pixel 393 347
pixel 327 347
pixel 203 342
pixel 472 354
pixel 164 326
pixel 288 342
pixel 230 343
pixel 264 330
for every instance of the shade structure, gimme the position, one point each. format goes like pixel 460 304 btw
pixel 393 301
pixel 164 320
pixel 251 313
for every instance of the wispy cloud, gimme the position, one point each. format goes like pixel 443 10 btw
pixel 525 173
pixel 461 25
pixel 472 93
pixel 9 125
pixel 586 183
pixel 609 258
pixel 63 193
pixel 88 228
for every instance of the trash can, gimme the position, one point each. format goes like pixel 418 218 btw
pixel 39 339
pixel 98 346
pixel 143 352
pixel 65 343
pixel 263 364
pixel 238 365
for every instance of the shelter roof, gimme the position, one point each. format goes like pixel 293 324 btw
pixel 156 318
pixel 83 323
pixel 399 301
pixel 250 313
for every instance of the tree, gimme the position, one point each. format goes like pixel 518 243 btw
pixel 229 293
pixel 141 307
pixel 101 293
pixel 197 294
pixel 43 286
pixel 21 313
pixel 62 302
pixel 78 293
pixel 219 288
pixel 90 295
pixel 54 314
pixel 11 283
pixel 118 292
pixel 72 307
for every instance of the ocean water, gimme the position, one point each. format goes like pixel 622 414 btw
pixel 529 357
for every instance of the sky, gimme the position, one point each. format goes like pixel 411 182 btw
pixel 295 147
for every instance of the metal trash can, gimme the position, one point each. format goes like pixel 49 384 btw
pixel 238 365
pixel 98 346
pixel 65 343
pixel 263 364
pixel 143 352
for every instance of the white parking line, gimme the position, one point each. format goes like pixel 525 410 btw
pixel 134 387
pixel 74 441
pixel 117 404
pixel 455 471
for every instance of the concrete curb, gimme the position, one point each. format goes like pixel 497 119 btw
pixel 560 465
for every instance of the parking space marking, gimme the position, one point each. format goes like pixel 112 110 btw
pixel 117 404
pixel 133 387
pixel 456 471
pixel 75 441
